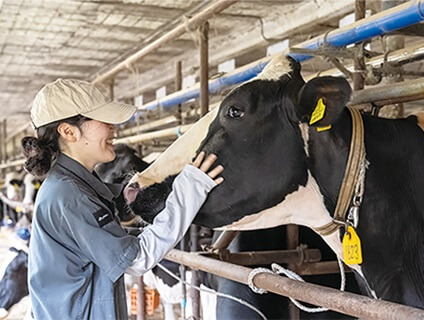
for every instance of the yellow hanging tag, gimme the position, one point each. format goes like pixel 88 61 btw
pixel 319 129
pixel 352 251
pixel 319 112
pixel 37 185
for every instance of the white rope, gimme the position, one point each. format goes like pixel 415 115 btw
pixel 277 269
pixel 208 290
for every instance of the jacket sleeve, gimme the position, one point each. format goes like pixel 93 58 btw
pixel 189 192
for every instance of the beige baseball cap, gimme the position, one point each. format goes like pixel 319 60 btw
pixel 67 98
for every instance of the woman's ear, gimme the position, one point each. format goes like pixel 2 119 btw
pixel 69 132
pixel 322 100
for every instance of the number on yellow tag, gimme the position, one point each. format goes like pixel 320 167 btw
pixel 319 112
pixel 352 251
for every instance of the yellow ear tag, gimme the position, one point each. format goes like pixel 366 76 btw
pixel 319 129
pixel 319 112
pixel 37 185
pixel 19 209
pixel 352 252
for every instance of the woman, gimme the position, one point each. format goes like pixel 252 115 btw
pixel 78 250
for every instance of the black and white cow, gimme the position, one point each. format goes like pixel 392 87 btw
pixel 13 283
pixel 280 170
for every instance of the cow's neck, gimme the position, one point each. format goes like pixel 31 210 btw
pixel 327 154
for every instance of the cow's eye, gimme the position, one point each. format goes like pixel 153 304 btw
pixel 234 112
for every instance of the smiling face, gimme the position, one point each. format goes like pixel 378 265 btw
pixel 89 144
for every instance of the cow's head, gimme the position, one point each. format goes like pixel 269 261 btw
pixel 260 135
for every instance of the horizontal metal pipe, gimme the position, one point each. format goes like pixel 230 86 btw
pixel 387 21
pixel 165 133
pixel 344 302
pixel 191 24
pixel 224 240
pixel 398 57
pixel 268 257
pixel 14 163
pixel 148 126
pixel 317 268
pixel 392 93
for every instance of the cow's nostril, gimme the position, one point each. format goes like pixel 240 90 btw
pixel 134 185
pixel 130 192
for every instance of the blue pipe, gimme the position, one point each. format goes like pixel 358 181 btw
pixel 399 17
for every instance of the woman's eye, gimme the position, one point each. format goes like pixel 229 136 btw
pixel 233 112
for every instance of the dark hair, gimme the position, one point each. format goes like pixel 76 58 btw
pixel 41 151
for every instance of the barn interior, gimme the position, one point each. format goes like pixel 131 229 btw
pixel 160 55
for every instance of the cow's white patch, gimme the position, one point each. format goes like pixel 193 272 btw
pixel 303 207
pixel 3 313
pixel 181 152
pixel 10 255
pixel 304 131
pixel 277 67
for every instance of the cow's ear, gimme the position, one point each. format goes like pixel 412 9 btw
pixel 322 100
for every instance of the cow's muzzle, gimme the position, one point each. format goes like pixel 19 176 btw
pixel 130 192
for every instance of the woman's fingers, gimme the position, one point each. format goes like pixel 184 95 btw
pixel 197 162
pixel 219 180
pixel 215 171
pixel 207 163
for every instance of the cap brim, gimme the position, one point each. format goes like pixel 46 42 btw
pixel 112 112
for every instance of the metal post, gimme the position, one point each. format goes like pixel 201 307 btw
pixel 392 74
pixel 359 61
pixel 345 302
pixel 178 86
pixel 3 171
pixel 195 279
pixel 292 243
pixel 204 66
pixel 1 142
pixel 183 247
pixel 112 88
pixel 15 151
pixel 4 140
pixel 141 314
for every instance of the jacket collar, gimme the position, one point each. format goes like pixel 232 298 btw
pixel 104 190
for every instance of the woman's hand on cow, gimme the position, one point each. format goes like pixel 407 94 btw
pixel 205 164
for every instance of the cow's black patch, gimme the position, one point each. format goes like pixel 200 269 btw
pixel 102 217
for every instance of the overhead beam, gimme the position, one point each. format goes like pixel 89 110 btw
pixel 282 24
pixel 191 24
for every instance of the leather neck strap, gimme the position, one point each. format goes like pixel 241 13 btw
pixel 356 158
